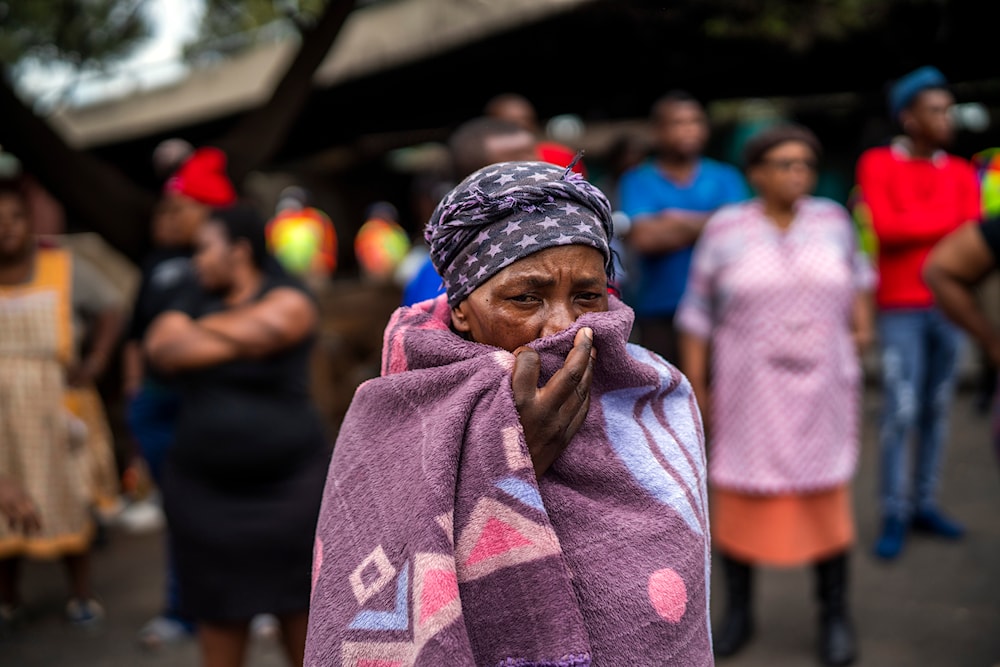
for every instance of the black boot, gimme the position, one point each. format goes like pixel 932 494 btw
pixel 837 642
pixel 737 625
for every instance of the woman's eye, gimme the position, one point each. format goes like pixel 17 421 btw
pixel 589 296
pixel 524 298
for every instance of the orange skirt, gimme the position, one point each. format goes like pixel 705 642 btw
pixel 785 530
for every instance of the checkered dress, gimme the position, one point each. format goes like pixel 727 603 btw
pixel 35 346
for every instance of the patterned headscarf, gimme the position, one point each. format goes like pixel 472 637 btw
pixel 507 211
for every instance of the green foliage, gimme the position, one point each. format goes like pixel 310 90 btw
pixel 92 33
pixel 81 33
pixel 228 26
pixel 797 24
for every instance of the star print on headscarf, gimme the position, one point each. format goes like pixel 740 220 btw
pixel 508 211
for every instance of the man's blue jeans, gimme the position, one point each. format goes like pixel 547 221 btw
pixel 152 414
pixel 919 361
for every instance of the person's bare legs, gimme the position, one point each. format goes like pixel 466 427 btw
pixel 9 569
pixel 78 568
pixel 293 636
pixel 223 644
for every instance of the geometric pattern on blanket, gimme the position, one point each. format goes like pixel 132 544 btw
pixel 520 490
pixel 435 601
pixel 513 449
pixel 384 573
pixel 496 537
pixel 395 619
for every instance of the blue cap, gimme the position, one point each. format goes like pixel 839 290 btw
pixel 907 87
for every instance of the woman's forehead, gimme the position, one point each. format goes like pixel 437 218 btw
pixel 791 146
pixel 579 260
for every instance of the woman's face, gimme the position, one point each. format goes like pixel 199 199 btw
pixel 213 257
pixel 786 174
pixel 535 297
pixel 15 228
pixel 177 220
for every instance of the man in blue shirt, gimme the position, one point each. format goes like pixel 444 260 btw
pixel 668 198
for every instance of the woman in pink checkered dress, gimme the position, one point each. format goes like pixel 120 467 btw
pixel 776 308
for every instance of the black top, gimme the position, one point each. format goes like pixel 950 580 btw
pixel 165 272
pixel 248 420
pixel 990 229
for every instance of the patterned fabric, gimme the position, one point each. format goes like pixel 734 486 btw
pixel 436 545
pixel 100 471
pixel 507 211
pixel 776 307
pixel 35 448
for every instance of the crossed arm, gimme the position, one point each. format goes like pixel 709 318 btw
pixel 666 231
pixel 176 342
pixel 956 265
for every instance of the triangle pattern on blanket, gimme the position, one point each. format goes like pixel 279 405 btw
pixel 440 588
pixel 496 537
pixel 436 603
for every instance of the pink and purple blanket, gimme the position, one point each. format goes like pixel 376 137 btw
pixel 436 545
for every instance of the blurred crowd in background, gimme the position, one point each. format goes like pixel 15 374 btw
pixel 126 391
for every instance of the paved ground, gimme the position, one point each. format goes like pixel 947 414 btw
pixel 939 606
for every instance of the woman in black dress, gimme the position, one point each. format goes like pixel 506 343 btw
pixel 245 475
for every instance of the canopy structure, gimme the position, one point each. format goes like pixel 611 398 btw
pixel 406 71
pixel 374 39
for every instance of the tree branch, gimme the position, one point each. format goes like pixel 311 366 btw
pixel 260 134
pixel 93 192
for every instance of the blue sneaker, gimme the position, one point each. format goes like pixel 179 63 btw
pixel 164 630
pixel 84 613
pixel 890 542
pixel 931 521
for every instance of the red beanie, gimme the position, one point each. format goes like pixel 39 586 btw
pixel 203 178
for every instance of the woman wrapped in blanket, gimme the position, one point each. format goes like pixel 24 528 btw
pixel 520 486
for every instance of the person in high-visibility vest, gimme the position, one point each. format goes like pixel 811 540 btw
pixel 302 238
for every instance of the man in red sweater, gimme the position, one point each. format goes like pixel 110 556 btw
pixel 916 193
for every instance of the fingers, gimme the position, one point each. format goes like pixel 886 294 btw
pixel 23 515
pixel 29 516
pixel 577 420
pixel 574 409
pixel 524 379
pixel 32 524
pixel 573 377
pixel 567 393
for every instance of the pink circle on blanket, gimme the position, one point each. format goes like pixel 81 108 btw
pixel 668 594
